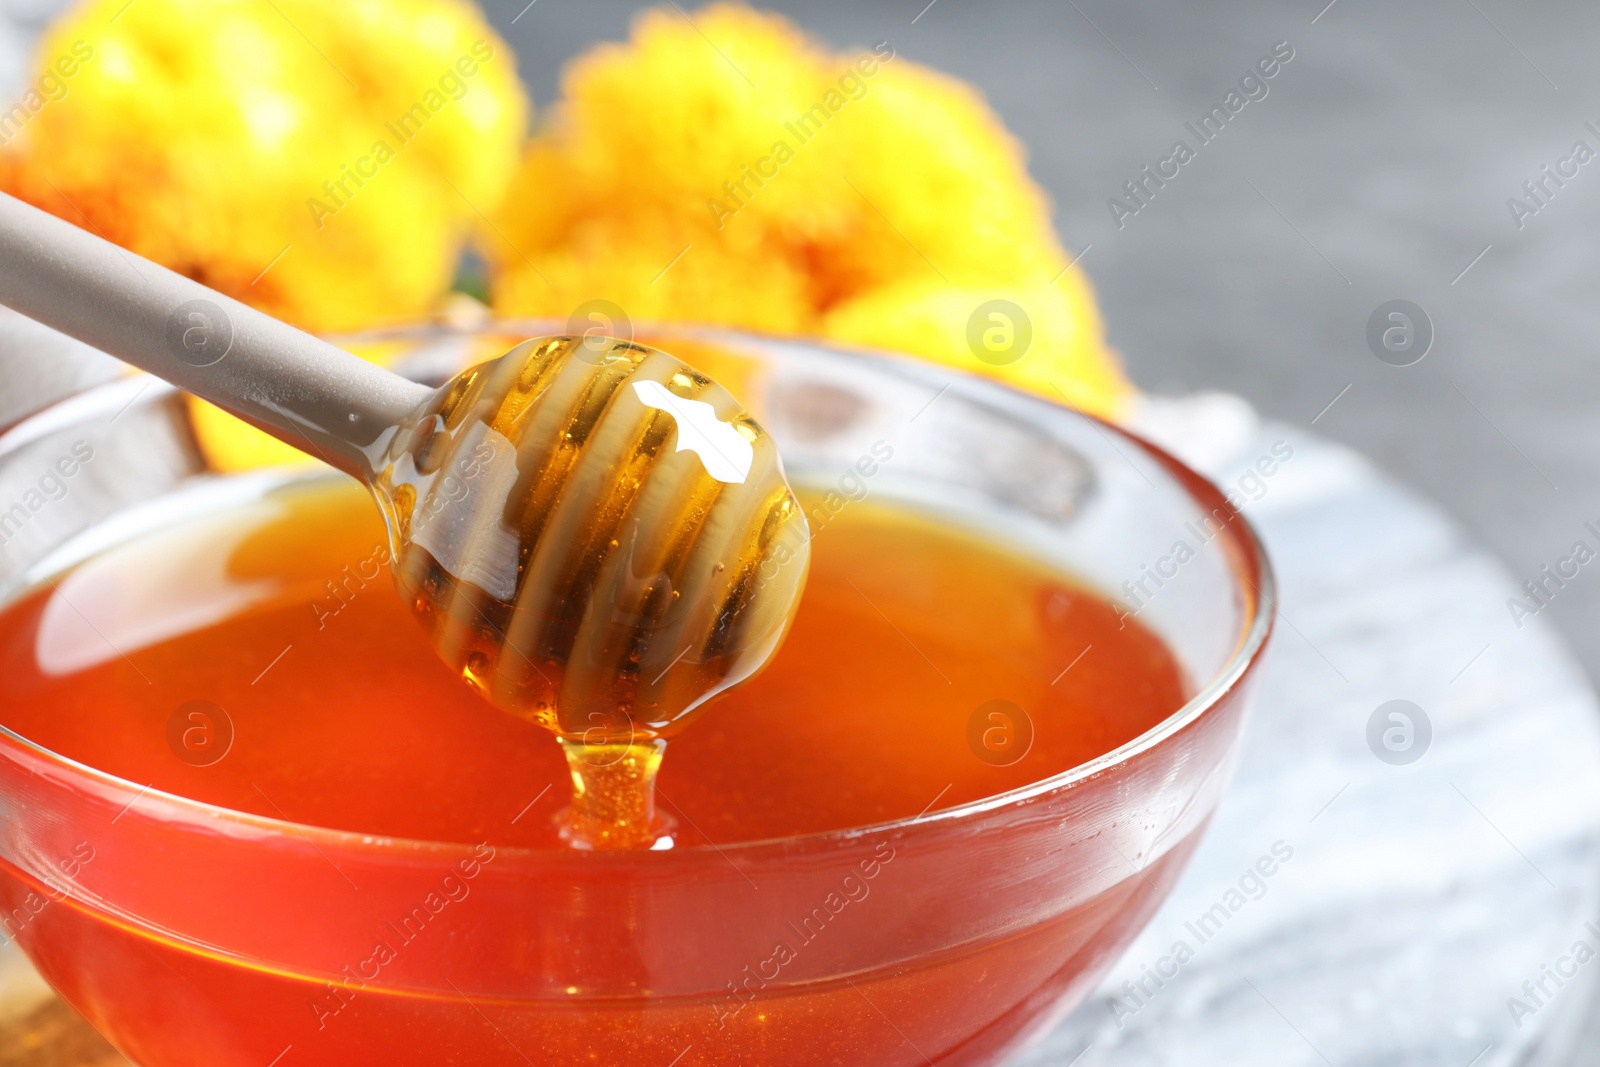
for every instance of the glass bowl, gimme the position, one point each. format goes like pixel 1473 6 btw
pixel 190 934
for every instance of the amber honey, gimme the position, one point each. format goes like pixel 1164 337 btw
pixel 280 617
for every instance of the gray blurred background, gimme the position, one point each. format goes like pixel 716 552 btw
pixel 1377 168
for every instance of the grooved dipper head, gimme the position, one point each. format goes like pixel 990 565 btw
pixel 595 535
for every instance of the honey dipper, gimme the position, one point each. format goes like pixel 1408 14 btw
pixel 592 533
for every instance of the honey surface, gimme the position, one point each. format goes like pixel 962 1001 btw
pixel 321 701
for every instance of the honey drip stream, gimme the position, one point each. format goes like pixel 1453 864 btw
pixel 596 537
pixel 613 794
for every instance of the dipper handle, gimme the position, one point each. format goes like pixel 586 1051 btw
pixel 308 393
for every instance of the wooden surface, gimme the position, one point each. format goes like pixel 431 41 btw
pixel 53 1035
pixel 37 1028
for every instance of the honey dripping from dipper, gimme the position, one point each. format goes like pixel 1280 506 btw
pixel 597 538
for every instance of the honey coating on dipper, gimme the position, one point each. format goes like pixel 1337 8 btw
pixel 598 538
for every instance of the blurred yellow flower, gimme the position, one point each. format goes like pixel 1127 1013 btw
pixel 321 161
pixel 729 170
pixel 353 140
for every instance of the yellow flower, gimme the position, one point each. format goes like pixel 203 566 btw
pixel 321 161
pixel 732 171
pixel 213 136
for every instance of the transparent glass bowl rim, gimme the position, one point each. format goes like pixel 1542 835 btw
pixel 1261 598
